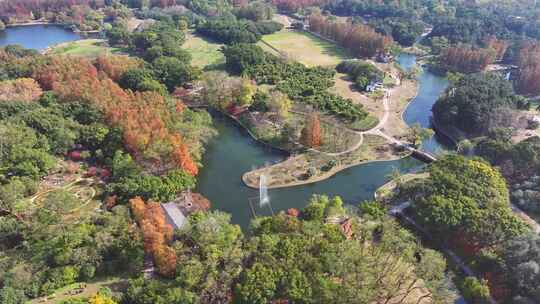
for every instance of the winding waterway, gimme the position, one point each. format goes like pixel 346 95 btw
pixel 233 152
pixel 39 36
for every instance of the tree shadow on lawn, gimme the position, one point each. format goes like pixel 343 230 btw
pixel 328 48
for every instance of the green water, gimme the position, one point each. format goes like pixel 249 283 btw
pixel 233 153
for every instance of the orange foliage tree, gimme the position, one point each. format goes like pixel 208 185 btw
pixel 361 39
pixel 466 59
pixel 143 117
pixel 529 68
pixel 22 89
pixel 157 233
pixel 499 46
pixel 115 65
pixel 311 133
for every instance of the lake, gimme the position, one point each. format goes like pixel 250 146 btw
pixel 38 37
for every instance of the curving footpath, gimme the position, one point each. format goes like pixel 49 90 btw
pixel 377 130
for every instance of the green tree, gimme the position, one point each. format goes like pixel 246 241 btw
pixel 259 284
pixel 418 134
pixel 140 80
pixel 467 194
pixel 173 72
pixel 476 104
pixel 9 295
pixel 246 91
pixel 242 56
pixel 373 209
pixel 475 291
pixel 522 260
pixel 280 104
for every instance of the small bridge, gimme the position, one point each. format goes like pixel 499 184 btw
pixel 416 153
pixel 423 156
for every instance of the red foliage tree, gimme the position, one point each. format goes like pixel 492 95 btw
pixel 115 66
pixel 498 286
pixel 293 212
pixel 311 133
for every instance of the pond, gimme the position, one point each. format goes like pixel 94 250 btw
pixel 233 152
pixel 39 36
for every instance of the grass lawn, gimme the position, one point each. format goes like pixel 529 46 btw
pixel 203 51
pixel 365 124
pixel 84 48
pixel 115 283
pixel 305 48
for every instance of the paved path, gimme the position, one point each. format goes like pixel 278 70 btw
pixel 377 130
pixel 535 226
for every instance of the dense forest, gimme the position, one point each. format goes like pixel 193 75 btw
pixel 465 203
pixel 144 143
pixel 81 15
pixel 479 103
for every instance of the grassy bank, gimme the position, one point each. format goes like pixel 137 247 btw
pixel 305 48
pixel 313 166
pixel 84 48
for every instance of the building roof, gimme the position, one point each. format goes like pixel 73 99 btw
pixel 174 215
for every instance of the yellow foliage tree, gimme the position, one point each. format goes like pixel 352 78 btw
pixel 101 299
pixel 280 104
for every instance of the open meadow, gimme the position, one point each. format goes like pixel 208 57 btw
pixel 203 51
pixel 304 47
pixel 84 48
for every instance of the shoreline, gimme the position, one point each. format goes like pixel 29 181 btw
pixel 336 169
pixel 31 23
pixel 319 178
pixel 442 130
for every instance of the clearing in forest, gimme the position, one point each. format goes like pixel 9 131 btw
pixel 304 47
pixel 85 48
pixel 203 51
